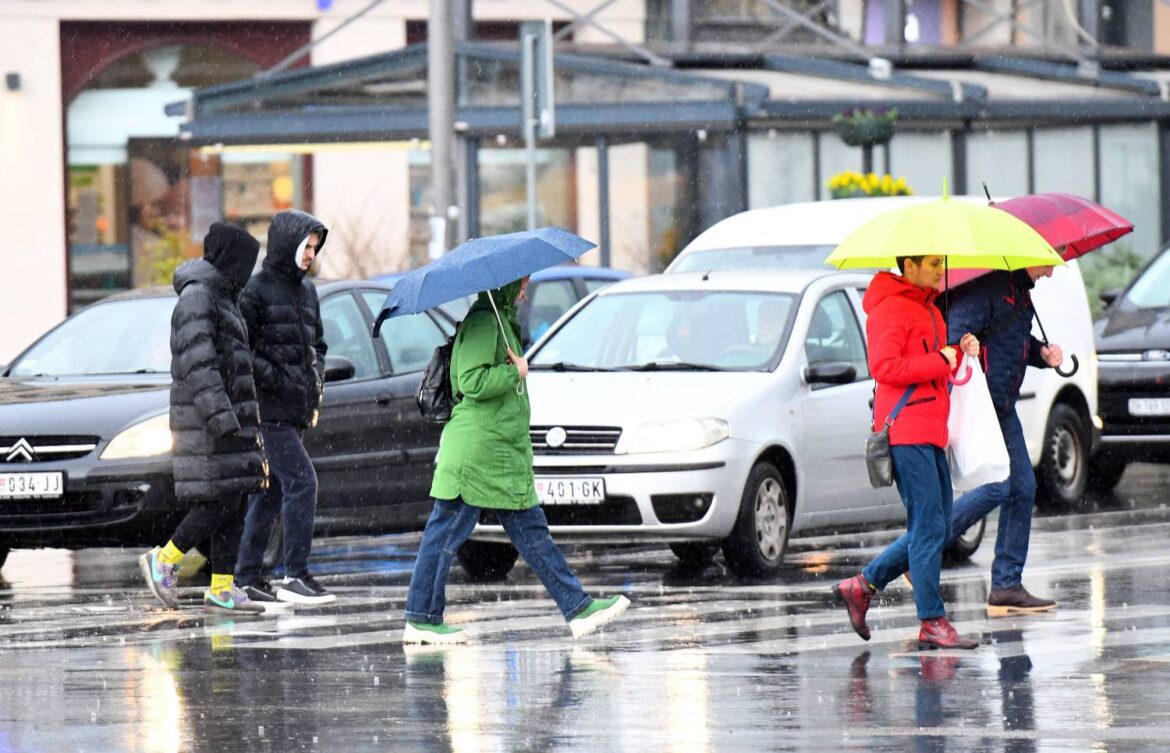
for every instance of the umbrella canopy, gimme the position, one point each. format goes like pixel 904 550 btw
pixel 1077 224
pixel 967 235
pixel 480 264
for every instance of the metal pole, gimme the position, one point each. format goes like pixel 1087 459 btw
pixel 603 196
pixel 441 121
pixel 682 23
pixel 528 113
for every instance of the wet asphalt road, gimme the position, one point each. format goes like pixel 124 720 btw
pixel 701 662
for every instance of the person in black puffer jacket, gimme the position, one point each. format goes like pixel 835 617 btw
pixel 284 326
pixel 215 419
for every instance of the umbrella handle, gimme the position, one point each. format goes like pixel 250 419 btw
pixel 1075 365
pixel 959 382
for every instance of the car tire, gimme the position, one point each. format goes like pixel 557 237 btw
pixel 966 545
pixel 1063 473
pixel 485 561
pixel 1105 475
pixel 4 555
pixel 694 554
pixel 759 539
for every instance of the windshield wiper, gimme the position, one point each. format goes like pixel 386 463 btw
pixel 562 366
pixel 672 366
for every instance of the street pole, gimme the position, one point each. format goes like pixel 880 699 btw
pixel 528 113
pixel 441 122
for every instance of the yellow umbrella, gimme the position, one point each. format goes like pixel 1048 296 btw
pixel 968 235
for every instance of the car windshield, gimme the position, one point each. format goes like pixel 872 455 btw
pixel 1152 289
pixel 753 257
pixel 118 337
pixel 671 331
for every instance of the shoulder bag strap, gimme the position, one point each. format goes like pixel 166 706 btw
pixel 900 404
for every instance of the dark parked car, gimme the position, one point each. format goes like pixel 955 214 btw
pixel 1133 374
pixel 85 442
pixel 551 292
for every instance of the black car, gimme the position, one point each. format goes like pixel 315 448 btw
pixel 1133 374
pixel 85 441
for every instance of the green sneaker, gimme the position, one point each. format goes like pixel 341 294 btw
pixel 441 634
pixel 598 613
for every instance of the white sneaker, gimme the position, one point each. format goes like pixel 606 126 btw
pixel 600 612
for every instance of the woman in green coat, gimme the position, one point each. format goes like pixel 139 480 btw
pixel 485 461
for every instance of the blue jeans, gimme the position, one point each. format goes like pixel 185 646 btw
pixel 924 481
pixel 451 523
pixel 1014 498
pixel 292 494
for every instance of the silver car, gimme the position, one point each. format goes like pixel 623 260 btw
pixel 702 409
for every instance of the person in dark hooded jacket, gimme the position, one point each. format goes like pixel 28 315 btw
pixel 998 305
pixel 215 420
pixel 283 314
pixel 911 363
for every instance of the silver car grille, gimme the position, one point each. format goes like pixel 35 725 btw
pixel 44 449
pixel 578 440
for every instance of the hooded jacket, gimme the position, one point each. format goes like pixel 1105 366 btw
pixel 485 454
pixel 906 332
pixel 284 325
pixel 214 417
pixel 997 308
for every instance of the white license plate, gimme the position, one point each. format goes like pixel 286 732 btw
pixel 570 490
pixel 32 485
pixel 1149 406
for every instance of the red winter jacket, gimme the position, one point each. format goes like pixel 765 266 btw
pixel 906 331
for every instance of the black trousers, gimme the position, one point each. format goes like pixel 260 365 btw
pixel 221 520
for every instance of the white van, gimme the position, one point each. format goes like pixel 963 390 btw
pixel 1059 414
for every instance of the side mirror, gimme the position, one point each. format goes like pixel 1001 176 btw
pixel 338 368
pixel 831 372
pixel 1109 296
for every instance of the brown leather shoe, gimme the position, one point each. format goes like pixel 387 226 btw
pixel 939 633
pixel 1015 600
pixel 856 594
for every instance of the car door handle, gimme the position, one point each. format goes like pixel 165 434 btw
pixel 383 399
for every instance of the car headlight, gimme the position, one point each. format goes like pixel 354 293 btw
pixel 678 435
pixel 142 440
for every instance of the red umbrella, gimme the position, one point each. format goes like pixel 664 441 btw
pixel 1062 219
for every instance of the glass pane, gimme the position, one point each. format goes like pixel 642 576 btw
pixel 503 190
pixel 549 301
pixel 119 337
pixel 780 169
pixel 410 341
pixel 1152 289
pixel 681 330
pixel 834 335
pixel 835 156
pixel 1064 161
pixel 1129 182
pixel 99 234
pixel 923 159
pixel 999 159
pixel 347 334
pixel 593 285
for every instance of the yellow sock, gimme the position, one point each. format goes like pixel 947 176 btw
pixel 170 554
pixel 220 583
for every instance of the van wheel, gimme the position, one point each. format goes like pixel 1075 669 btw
pixel 485 561
pixel 1064 462
pixel 756 545
pixel 694 554
pixel 1105 475
pixel 967 544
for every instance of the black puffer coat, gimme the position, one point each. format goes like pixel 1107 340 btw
pixel 284 324
pixel 214 416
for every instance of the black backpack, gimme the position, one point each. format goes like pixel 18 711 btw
pixel 434 397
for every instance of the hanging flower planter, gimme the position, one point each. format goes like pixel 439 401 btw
pixel 865 127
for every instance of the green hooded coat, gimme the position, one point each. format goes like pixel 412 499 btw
pixel 485 455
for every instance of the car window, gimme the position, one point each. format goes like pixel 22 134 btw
pixel 549 300
pixel 727 330
pixel 593 284
pixel 834 335
pixel 1152 289
pixel 753 257
pixel 116 337
pixel 410 341
pixel 347 334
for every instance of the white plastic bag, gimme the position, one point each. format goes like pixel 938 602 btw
pixel 976 450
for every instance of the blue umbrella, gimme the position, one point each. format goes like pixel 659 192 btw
pixel 480 264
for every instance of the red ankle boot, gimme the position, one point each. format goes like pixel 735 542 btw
pixel 938 633
pixel 856 594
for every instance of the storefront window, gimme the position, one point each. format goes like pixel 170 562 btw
pixel 923 159
pixel 780 169
pixel 1064 161
pixel 999 159
pixel 1129 182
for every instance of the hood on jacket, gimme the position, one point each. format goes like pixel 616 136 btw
pixel 505 296
pixel 229 255
pixel 887 284
pixel 286 241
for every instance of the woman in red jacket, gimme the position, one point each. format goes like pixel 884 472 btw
pixel 908 353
